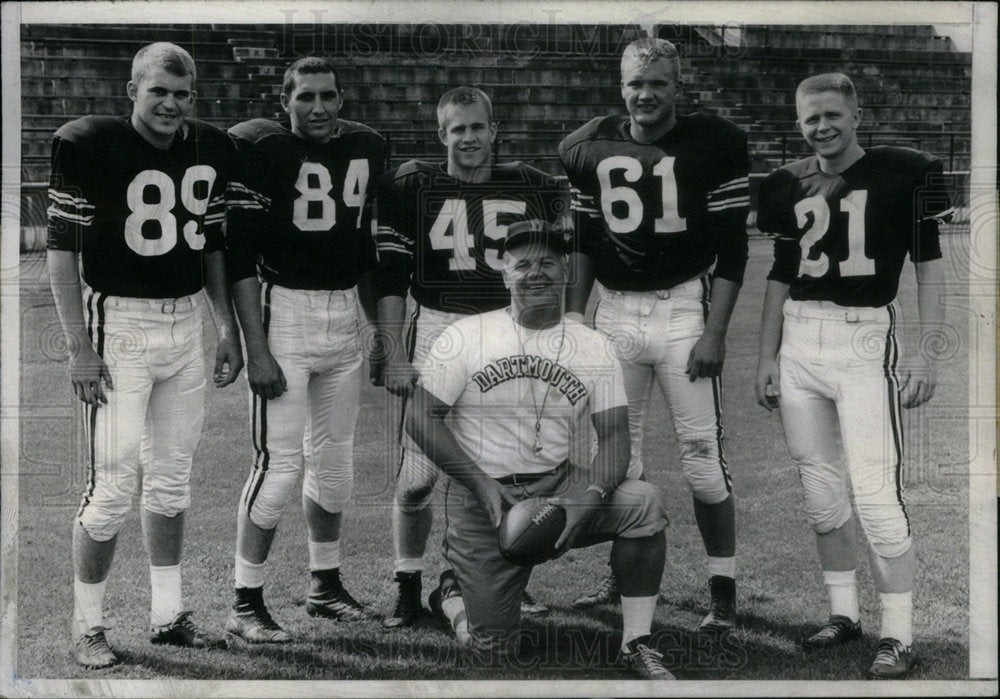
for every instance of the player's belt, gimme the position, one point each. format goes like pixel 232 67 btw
pixel 828 310
pixel 181 304
pixel 525 478
pixel 691 288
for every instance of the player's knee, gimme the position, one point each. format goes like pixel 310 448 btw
pixel 332 488
pixel 893 549
pixel 826 516
pixel 168 501
pixel 104 508
pixel 703 469
pixel 102 521
pixel 275 493
pixel 885 527
pixel 413 498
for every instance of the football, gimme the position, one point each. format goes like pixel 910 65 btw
pixel 529 531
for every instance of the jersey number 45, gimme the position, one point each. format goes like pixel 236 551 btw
pixel 453 222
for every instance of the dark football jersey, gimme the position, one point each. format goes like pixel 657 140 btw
pixel 141 217
pixel 440 237
pixel 843 238
pixel 652 216
pixel 301 211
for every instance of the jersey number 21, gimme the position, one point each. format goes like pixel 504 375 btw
pixel 856 264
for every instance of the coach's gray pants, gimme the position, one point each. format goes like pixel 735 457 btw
pixel 492 587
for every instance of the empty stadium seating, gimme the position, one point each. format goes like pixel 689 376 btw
pixel 545 80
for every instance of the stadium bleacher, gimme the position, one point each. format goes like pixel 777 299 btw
pixel 545 81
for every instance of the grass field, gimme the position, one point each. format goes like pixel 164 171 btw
pixel 780 590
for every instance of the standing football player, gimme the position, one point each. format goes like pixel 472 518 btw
pixel 440 227
pixel 141 200
pixel 495 408
pixel 843 221
pixel 300 255
pixel 660 198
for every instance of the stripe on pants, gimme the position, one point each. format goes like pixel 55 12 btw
pixel 94 303
pixel 720 436
pixel 895 409
pixel 258 421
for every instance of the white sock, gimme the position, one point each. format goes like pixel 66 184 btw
pixel 249 574
pixel 897 616
pixel 324 555
pixel 637 617
pixel 88 605
pixel 408 565
pixel 454 609
pixel 842 587
pixel 725 567
pixel 165 594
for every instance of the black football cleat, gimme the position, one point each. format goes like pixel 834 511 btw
pixel 722 615
pixel 91 649
pixel 606 593
pixel 250 620
pixel 328 599
pixel 838 630
pixel 892 661
pixel 644 661
pixel 183 632
pixel 408 609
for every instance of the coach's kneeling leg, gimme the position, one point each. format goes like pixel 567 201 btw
pixel 635 519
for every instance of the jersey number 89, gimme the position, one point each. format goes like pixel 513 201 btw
pixel 166 199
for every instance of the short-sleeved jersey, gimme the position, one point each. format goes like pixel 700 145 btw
pixel 654 215
pixel 499 378
pixel 843 238
pixel 440 237
pixel 141 217
pixel 301 212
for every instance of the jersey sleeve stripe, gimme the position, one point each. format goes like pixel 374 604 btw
pixel 65 199
pixel 54 212
pixel 388 239
pixel 732 184
pixel 239 195
pixel 398 249
pixel 734 203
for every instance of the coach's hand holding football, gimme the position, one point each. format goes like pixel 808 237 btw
pixel 580 507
